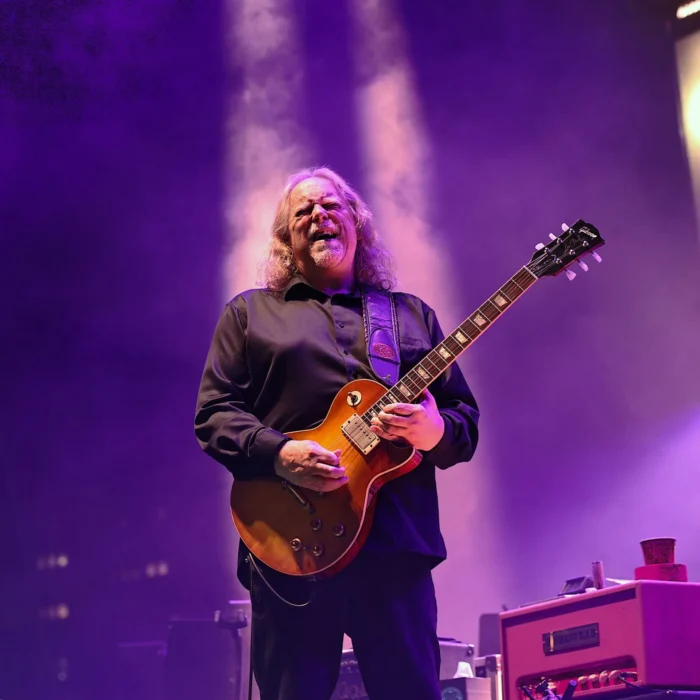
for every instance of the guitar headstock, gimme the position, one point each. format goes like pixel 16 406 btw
pixel 573 244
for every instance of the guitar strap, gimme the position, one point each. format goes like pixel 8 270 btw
pixel 381 334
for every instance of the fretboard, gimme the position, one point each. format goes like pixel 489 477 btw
pixel 409 387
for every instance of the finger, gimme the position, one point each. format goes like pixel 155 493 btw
pixel 385 434
pixel 401 409
pixel 390 419
pixel 326 471
pixel 332 458
pixel 427 399
pixel 321 484
pixel 390 427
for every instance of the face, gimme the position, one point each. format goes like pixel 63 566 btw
pixel 322 229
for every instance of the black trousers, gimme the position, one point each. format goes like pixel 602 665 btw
pixel 386 604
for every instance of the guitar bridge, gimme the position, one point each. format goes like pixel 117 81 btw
pixel 358 433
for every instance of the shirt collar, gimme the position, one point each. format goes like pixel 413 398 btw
pixel 299 288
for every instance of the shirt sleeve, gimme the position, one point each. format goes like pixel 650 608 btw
pixel 457 406
pixel 224 425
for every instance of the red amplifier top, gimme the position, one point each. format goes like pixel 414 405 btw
pixel 648 629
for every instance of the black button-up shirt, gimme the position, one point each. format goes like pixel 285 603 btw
pixel 275 364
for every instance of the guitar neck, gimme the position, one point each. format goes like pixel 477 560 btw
pixel 409 387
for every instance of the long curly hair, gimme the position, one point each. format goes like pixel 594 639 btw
pixel 374 265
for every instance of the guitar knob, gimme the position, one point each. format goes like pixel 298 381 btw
pixel 570 274
pixel 604 676
pixel 583 265
pixel 316 524
pixel 338 530
pixel 552 236
pixel 596 256
pixel 317 549
pixel 539 246
pixel 295 544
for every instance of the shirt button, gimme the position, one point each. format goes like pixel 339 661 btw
pixel 341 324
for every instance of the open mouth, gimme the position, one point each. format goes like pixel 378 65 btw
pixel 323 236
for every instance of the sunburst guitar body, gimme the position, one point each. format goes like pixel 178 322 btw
pixel 307 533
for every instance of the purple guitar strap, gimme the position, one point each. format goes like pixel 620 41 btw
pixel 381 334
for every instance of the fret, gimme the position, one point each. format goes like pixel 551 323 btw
pixel 512 281
pixel 418 382
pixel 460 337
pixel 433 373
pixel 417 386
pixel 444 352
pixel 437 360
pixel 424 374
pixel 403 388
pixel 409 387
pixel 490 311
pixel 452 345
pixel 479 320
pixel 511 291
pixel 506 295
pixel 500 301
pixel 470 331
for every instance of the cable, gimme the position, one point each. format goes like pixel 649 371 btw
pixel 251 561
pixel 250 649
pixel 640 688
pixel 252 565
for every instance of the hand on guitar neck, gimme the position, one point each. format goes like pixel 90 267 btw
pixel 418 424
pixel 305 463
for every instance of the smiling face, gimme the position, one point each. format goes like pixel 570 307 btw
pixel 323 234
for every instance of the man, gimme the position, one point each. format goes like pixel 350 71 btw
pixel 278 357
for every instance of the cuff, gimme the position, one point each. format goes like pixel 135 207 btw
pixel 264 449
pixel 441 454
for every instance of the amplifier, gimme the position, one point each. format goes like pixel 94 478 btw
pixel 452 653
pixel 647 632
pixel 491 667
pixel 350 685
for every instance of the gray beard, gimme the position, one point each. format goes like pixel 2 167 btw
pixel 328 253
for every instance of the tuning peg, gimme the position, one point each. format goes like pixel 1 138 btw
pixel 583 265
pixel 552 236
pixel 565 227
pixel 570 274
pixel 596 256
pixel 539 246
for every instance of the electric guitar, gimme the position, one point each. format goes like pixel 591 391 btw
pixel 305 533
